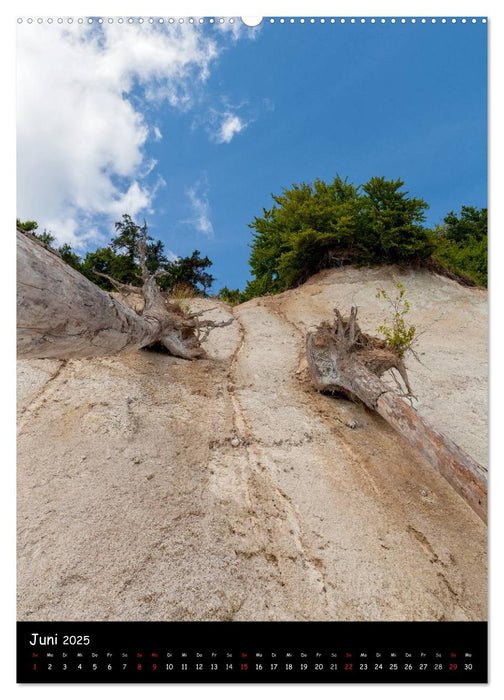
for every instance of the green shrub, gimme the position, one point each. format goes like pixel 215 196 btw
pixel 231 296
pixel 319 225
pixel 462 244
pixel 398 334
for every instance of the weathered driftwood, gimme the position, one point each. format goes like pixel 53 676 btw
pixel 61 314
pixel 343 359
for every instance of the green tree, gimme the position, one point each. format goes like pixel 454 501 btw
pixel 189 271
pixel 462 244
pixel 390 229
pixel 46 237
pixel 470 224
pixel 69 256
pixel 319 214
pixel 155 258
pixel 128 236
pixel 120 259
pixel 125 247
pixel 231 296
pixel 104 260
pixel 66 252
pixel 30 226
pixel 314 226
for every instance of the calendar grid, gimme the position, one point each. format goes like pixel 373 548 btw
pixel 339 652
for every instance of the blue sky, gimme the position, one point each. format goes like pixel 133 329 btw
pixel 249 113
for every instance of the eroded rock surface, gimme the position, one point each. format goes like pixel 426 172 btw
pixel 153 488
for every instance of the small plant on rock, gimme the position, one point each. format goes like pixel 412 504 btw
pixel 398 334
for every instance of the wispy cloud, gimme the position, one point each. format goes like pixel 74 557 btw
pixel 230 125
pixel 173 257
pixel 234 27
pixel 223 123
pixel 200 205
pixel 157 133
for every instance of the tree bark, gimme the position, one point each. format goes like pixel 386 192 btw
pixel 61 314
pixel 343 359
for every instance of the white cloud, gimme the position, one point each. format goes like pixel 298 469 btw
pixel 230 125
pixel 238 30
pixel 223 124
pixel 200 205
pixel 157 133
pixel 81 137
pixel 147 167
pixel 172 257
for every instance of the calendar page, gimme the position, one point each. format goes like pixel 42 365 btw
pixel 252 349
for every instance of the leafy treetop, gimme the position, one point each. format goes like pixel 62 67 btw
pixel 462 244
pixel 319 225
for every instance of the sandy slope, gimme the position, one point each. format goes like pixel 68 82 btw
pixel 154 488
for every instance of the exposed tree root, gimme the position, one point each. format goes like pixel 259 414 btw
pixel 343 359
pixel 62 315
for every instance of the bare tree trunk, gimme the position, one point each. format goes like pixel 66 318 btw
pixel 62 315
pixel 343 359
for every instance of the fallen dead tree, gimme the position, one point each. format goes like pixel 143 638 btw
pixel 343 359
pixel 62 315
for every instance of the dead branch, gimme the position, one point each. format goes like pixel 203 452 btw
pixel 195 314
pixel 142 254
pixel 160 273
pixel 120 286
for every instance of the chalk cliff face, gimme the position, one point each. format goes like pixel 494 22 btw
pixel 153 488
